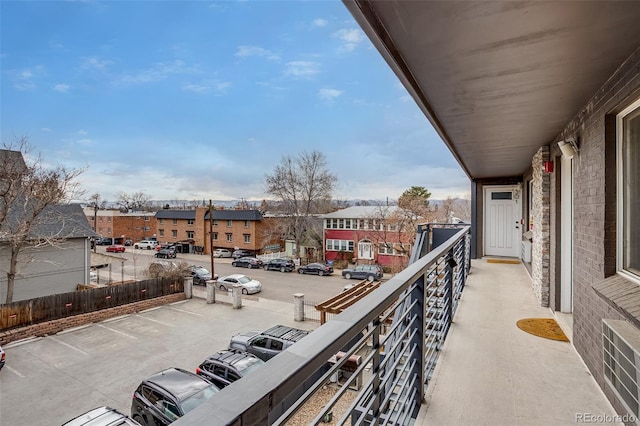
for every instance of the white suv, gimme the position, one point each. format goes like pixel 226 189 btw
pixel 145 244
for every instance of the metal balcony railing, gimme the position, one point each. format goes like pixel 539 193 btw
pixel 371 364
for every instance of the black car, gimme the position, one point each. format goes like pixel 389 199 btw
pixel 248 262
pixel 168 395
pixel 200 275
pixel 316 268
pixel 363 272
pixel 237 254
pixel 225 367
pixel 282 265
pixel 166 253
pixel 104 241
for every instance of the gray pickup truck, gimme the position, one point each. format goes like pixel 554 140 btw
pixel 269 343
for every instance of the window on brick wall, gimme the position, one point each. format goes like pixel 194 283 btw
pixel 229 237
pixel 161 232
pixel 215 236
pixel 190 234
pixel 247 238
pixel 190 221
pixel 629 190
pixel 174 233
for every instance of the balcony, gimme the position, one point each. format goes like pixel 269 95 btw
pixel 404 361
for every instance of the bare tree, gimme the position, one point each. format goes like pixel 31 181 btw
pixel 304 187
pixel 135 201
pixel 29 202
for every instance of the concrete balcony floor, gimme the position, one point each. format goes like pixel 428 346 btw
pixel 492 373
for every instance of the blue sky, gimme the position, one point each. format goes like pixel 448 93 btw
pixel 200 100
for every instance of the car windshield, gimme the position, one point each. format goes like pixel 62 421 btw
pixel 244 279
pixel 198 398
pixel 202 271
pixel 248 364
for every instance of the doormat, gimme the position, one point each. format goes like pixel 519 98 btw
pixel 510 261
pixel 542 327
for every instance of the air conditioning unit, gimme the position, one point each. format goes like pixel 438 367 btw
pixel 621 359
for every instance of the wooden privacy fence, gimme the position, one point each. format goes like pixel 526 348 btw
pixel 57 306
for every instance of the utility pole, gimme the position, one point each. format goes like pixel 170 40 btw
pixel 211 245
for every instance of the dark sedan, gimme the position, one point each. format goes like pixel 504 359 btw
pixel 248 262
pixel 282 265
pixel 316 268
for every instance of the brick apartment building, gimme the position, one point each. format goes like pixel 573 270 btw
pixel 134 226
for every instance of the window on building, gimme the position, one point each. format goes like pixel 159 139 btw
pixel 215 222
pixel 339 245
pixel 190 221
pixel 229 223
pixel 190 234
pixel 109 230
pixel 385 248
pixel 175 221
pixel 247 238
pixel 101 219
pixel 174 233
pixel 161 232
pixel 146 228
pixel 347 224
pixel 160 221
pixel 91 218
pixel 229 236
pixel 147 218
pixel 629 190
pixel 247 223
pixel 215 236
pixel 108 219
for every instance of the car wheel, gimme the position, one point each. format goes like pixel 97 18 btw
pixel 136 247
pixel 245 291
pixel 140 420
pixel 282 269
pixel 300 271
pixel 347 276
pixel 265 268
pixel 223 288
pixel 370 278
pixel 320 273
pixel 234 264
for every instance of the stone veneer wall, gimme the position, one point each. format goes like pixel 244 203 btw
pixel 541 202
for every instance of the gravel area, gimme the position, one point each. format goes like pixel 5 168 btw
pixel 310 410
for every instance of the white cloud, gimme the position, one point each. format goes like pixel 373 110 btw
pixel 62 88
pixel 95 63
pixel 82 132
pixel 25 79
pixel 329 94
pixel 301 68
pixel 86 142
pixel 319 22
pixel 246 51
pixel 351 38
pixel 213 86
pixel 158 72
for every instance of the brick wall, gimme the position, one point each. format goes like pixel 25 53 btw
pixel 594 243
pixel 52 327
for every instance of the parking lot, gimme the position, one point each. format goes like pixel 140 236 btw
pixel 49 380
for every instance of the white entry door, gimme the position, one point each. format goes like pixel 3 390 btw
pixel 365 250
pixel 502 230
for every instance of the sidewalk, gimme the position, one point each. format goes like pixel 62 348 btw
pixel 492 373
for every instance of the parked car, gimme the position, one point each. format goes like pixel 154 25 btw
pixel 102 416
pixel 145 244
pixel 316 268
pixel 128 242
pixel 168 395
pixel 166 253
pixel 2 358
pixel 362 272
pixel 221 253
pixel 104 241
pixel 200 275
pixel 115 249
pixel 241 253
pixel 248 262
pixel 227 366
pixel 249 285
pixel 282 265
pixel 165 245
pixel 267 344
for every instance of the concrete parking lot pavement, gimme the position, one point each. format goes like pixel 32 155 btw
pixel 50 380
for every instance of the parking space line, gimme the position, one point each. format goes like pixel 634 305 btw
pixel 68 345
pixel 118 318
pixel 72 329
pixel 118 331
pixel 155 320
pixel 22 342
pixel 14 371
pixel 187 312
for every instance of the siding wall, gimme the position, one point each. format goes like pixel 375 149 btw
pixel 47 270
